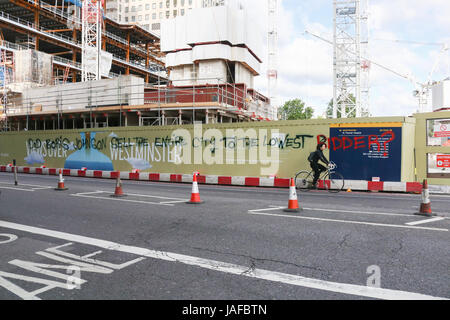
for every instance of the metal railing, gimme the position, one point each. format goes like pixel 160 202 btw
pixel 32 27
pixel 56 59
pixel 57 99
pixel 76 20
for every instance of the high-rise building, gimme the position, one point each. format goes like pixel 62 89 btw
pixel 149 13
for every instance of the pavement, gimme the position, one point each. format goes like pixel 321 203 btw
pixel 238 245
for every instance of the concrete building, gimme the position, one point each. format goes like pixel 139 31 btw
pixel 150 13
pixel 214 45
pixel 42 53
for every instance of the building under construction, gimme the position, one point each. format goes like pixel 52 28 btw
pixel 200 76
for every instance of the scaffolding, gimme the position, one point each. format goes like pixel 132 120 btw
pixel 272 46
pixel 347 58
pixel 91 40
pixel 127 101
pixel 6 75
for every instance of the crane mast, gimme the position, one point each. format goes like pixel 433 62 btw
pixel 272 48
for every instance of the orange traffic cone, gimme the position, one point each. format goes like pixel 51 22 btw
pixel 425 206
pixel 195 196
pixel 61 186
pixel 293 202
pixel 118 192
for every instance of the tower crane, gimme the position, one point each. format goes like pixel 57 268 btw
pixel 421 90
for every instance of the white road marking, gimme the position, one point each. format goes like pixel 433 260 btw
pixel 11 238
pixel 268 209
pixel 414 223
pixel 362 212
pixel 84 193
pixel 167 203
pixel 33 187
pixel 178 201
pixel 351 289
pixel 121 199
pixel 348 221
pixel 14 188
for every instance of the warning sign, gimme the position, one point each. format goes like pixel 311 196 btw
pixel 442 130
pixel 443 160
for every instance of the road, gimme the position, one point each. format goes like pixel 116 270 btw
pixel 238 245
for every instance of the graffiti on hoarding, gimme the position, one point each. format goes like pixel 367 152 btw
pixel 358 142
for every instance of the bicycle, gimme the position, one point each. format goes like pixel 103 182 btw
pixel 333 181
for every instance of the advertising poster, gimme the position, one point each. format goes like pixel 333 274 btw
pixel 364 151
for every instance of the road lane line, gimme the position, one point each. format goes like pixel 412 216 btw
pixel 121 199
pixel 178 201
pixel 268 209
pixel 424 221
pixel 273 276
pixel 84 193
pixel 362 212
pixel 12 188
pixel 348 221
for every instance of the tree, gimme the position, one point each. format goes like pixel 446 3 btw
pixel 351 114
pixel 295 110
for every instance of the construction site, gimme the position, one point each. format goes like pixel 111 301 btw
pixel 65 65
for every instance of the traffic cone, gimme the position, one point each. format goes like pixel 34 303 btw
pixel 349 190
pixel 118 192
pixel 425 206
pixel 195 195
pixel 293 202
pixel 61 186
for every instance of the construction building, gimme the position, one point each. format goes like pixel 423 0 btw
pixel 139 83
pixel 150 13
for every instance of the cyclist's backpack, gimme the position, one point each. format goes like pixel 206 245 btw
pixel 311 156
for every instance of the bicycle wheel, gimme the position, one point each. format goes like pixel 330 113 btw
pixel 334 182
pixel 303 180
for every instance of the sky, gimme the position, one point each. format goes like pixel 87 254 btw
pixel 305 63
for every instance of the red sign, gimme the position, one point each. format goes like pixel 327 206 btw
pixel 442 130
pixel 443 161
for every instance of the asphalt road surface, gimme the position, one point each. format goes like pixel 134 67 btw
pixel 238 245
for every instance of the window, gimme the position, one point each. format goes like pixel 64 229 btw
pixel 147 6
pixel 160 5
pixel 126 9
pixel 174 3
pixel 126 19
pixel 160 15
pixel 133 18
pixel 147 16
pixel 182 12
pixel 182 3
pixel 139 8
pixel 167 3
pixel 154 5
pixel 438 132
pixel 154 16
pixel 133 9
pixel 174 13
pixel 139 18
pixel 167 14
pixel 156 26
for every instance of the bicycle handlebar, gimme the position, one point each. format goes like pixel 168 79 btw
pixel 332 165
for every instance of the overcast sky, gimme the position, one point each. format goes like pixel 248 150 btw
pixel 305 63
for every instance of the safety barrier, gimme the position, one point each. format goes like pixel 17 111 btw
pixel 273 182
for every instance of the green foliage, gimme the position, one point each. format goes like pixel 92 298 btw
pixel 347 109
pixel 295 110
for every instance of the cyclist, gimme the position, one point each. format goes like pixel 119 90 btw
pixel 314 158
